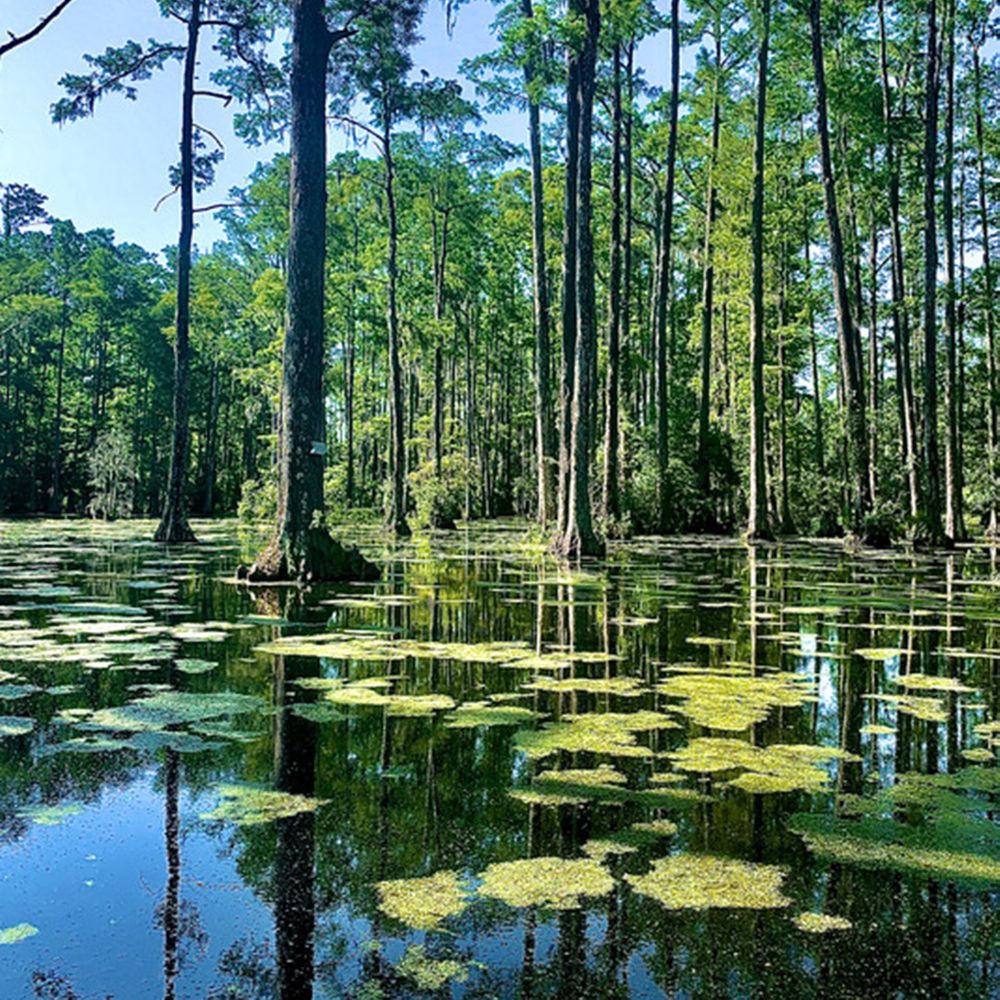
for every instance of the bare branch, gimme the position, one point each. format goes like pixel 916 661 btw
pixel 226 99
pixel 217 206
pixel 354 123
pixel 167 196
pixel 16 40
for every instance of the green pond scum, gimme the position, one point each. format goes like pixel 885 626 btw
pixel 688 770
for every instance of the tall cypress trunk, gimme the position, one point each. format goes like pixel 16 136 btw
pixel 397 509
pixel 984 224
pixel 757 524
pixel 900 314
pixel 611 504
pixel 708 276
pixel 664 282
pixel 954 506
pixel 302 548
pixel 173 527
pixel 579 538
pixel 932 500
pixel 873 355
pixel 569 289
pixel 853 381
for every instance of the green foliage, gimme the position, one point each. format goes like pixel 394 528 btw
pixel 439 499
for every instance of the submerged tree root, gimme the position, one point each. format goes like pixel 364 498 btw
pixel 315 557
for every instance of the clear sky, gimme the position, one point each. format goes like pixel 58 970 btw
pixel 111 169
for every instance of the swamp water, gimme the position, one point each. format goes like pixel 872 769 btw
pixel 688 771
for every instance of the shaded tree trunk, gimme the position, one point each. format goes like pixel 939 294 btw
pixel 302 548
pixel 853 381
pixel 173 527
pixel 757 525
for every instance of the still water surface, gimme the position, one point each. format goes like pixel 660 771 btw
pixel 692 770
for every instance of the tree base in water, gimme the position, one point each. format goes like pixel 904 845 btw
pixel 174 529
pixel 316 557
pixel 574 546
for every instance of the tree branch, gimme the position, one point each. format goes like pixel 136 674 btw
pixel 16 40
pixel 226 99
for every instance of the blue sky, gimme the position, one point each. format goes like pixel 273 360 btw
pixel 111 169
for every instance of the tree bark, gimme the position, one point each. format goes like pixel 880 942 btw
pixel 853 381
pixel 302 548
pixel 708 286
pixel 757 524
pixel 954 505
pixel 611 496
pixel 932 500
pixel 579 538
pixel 173 527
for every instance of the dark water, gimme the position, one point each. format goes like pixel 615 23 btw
pixel 121 876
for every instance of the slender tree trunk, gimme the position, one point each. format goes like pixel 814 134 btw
pixel 173 527
pixel 611 504
pixel 757 525
pixel 579 538
pixel 545 428
pixel 932 500
pixel 992 528
pixel 900 314
pixel 302 548
pixel 818 442
pixel 873 355
pixel 854 395
pixel 569 289
pixel 708 282
pixel 397 512
pixel 665 285
pixel 954 506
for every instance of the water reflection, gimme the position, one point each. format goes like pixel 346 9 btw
pixel 142 673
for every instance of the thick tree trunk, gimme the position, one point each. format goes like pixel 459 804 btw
pixel 932 500
pixel 302 548
pixel 757 524
pixel 873 355
pixel 173 527
pixel 853 381
pixel 579 538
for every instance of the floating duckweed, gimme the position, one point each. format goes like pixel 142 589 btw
pixel 704 881
pixel 878 654
pixel 876 729
pixel 422 903
pixel 928 682
pixel 979 755
pixel 319 683
pixel 596 733
pixel 777 768
pixel 658 827
pixel 623 687
pixel 926 709
pixel 14 935
pixel 166 708
pixel 318 711
pixel 603 776
pixel 734 702
pixel 534 797
pixel 15 725
pixel 821 923
pixel 480 713
pixel 50 815
pixel 193 666
pixel 602 849
pixel 430 974
pixel 553 883
pixel 247 805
